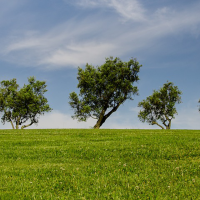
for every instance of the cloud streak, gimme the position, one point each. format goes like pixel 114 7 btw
pixel 128 9
pixel 96 36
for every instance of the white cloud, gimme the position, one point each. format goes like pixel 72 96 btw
pixel 187 118
pixel 62 46
pixel 128 9
pixel 87 3
pixel 5 126
pixel 81 54
pixel 56 119
pixel 94 37
pixel 135 109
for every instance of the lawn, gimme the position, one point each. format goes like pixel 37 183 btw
pixel 99 164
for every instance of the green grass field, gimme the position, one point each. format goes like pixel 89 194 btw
pixel 99 164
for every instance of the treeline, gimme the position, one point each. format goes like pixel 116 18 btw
pixel 102 90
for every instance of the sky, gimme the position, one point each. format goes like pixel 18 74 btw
pixel 50 39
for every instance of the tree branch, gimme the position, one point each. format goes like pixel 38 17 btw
pixel 112 111
pixel 25 126
pixel 93 117
pixel 157 124
pixel 12 124
pixel 169 122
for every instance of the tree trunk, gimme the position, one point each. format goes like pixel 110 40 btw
pixel 169 125
pixel 157 124
pixel 103 118
pixel 17 123
pixel 97 125
pixel 17 126
pixel 12 124
pixel 25 126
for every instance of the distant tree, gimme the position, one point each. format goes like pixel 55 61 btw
pixel 103 89
pixel 21 105
pixel 199 106
pixel 160 106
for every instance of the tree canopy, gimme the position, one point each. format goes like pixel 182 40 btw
pixel 22 105
pixel 104 88
pixel 160 106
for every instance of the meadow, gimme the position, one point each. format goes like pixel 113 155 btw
pixel 99 164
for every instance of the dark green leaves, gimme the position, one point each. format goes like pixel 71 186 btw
pixel 160 105
pixel 25 104
pixel 104 88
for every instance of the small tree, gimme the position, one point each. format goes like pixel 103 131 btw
pixel 199 106
pixel 160 106
pixel 104 89
pixel 21 105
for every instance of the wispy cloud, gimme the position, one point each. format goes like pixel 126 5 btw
pixel 87 3
pixel 69 44
pixel 129 9
pixel 96 36
pixel 79 54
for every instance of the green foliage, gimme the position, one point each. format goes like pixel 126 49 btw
pixel 160 106
pixel 104 88
pixel 21 105
pixel 99 164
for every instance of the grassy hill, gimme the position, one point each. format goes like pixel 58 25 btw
pixel 99 164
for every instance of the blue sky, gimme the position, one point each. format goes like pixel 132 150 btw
pixel 49 39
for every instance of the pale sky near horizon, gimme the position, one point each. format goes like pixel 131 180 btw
pixel 49 39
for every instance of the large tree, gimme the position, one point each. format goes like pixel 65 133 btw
pixel 160 106
pixel 22 105
pixel 104 88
